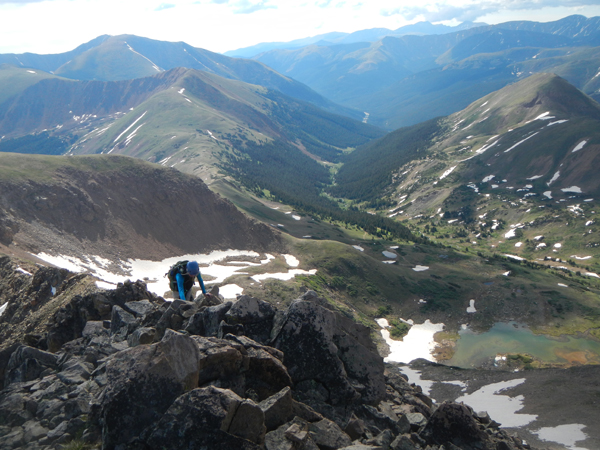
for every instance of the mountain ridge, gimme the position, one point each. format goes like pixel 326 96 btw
pixel 369 35
pixel 126 57
pixel 60 205
pixel 398 86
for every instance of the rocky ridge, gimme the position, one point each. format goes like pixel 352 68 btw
pixel 124 369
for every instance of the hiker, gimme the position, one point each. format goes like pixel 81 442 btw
pixel 182 277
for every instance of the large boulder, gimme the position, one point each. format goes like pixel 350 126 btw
pixel 206 321
pixel 27 364
pixel 142 383
pixel 455 423
pixel 255 315
pixel 242 365
pixel 209 418
pixel 324 356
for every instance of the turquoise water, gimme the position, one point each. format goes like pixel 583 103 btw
pixel 474 350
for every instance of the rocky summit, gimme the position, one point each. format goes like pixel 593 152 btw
pixel 87 368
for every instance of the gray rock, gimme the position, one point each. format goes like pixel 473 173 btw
pixel 206 321
pixel 453 422
pixel 211 300
pixel 355 428
pixel 266 374
pixel 14 439
pixel 328 434
pixel 217 359
pixel 58 431
pixel 291 436
pixel 361 447
pixel 94 328
pixel 297 432
pixel 276 440
pixel 306 340
pixel 208 418
pixel 377 421
pixel 121 323
pixel 248 422
pixel 27 364
pixel 403 443
pixel 416 420
pixel 242 365
pixel 144 381
pixel 166 320
pixel 141 336
pixel 382 440
pixel 334 351
pixel 75 371
pixel 140 307
pixel 255 315
pixel 33 431
pixel 278 409
pixel 305 412
pixel 483 417
pixel 212 317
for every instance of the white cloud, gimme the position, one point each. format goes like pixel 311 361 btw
pixel 246 6
pixel 19 2
pixel 461 11
pixel 56 26
pixel 164 6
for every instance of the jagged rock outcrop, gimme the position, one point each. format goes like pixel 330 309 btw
pixel 306 379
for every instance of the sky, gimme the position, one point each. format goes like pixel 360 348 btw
pixel 56 26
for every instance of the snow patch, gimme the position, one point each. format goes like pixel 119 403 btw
pixel 291 260
pixel 548 194
pixel 129 127
pixel 520 142
pixel 554 178
pixel 471 308
pixel 18 269
pixel 418 343
pixel 447 172
pixel 419 268
pixel 230 291
pixel 488 178
pixel 517 258
pixel 359 248
pixel 556 122
pixel 575 189
pixel 567 435
pixel 389 254
pixel 579 146
pixel 153 271
pixel 503 408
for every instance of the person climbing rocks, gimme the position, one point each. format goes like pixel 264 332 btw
pixel 182 277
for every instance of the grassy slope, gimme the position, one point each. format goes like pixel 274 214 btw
pixel 14 80
pixel 532 294
pixel 16 167
pixel 202 118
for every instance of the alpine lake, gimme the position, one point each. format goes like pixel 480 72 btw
pixel 513 341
